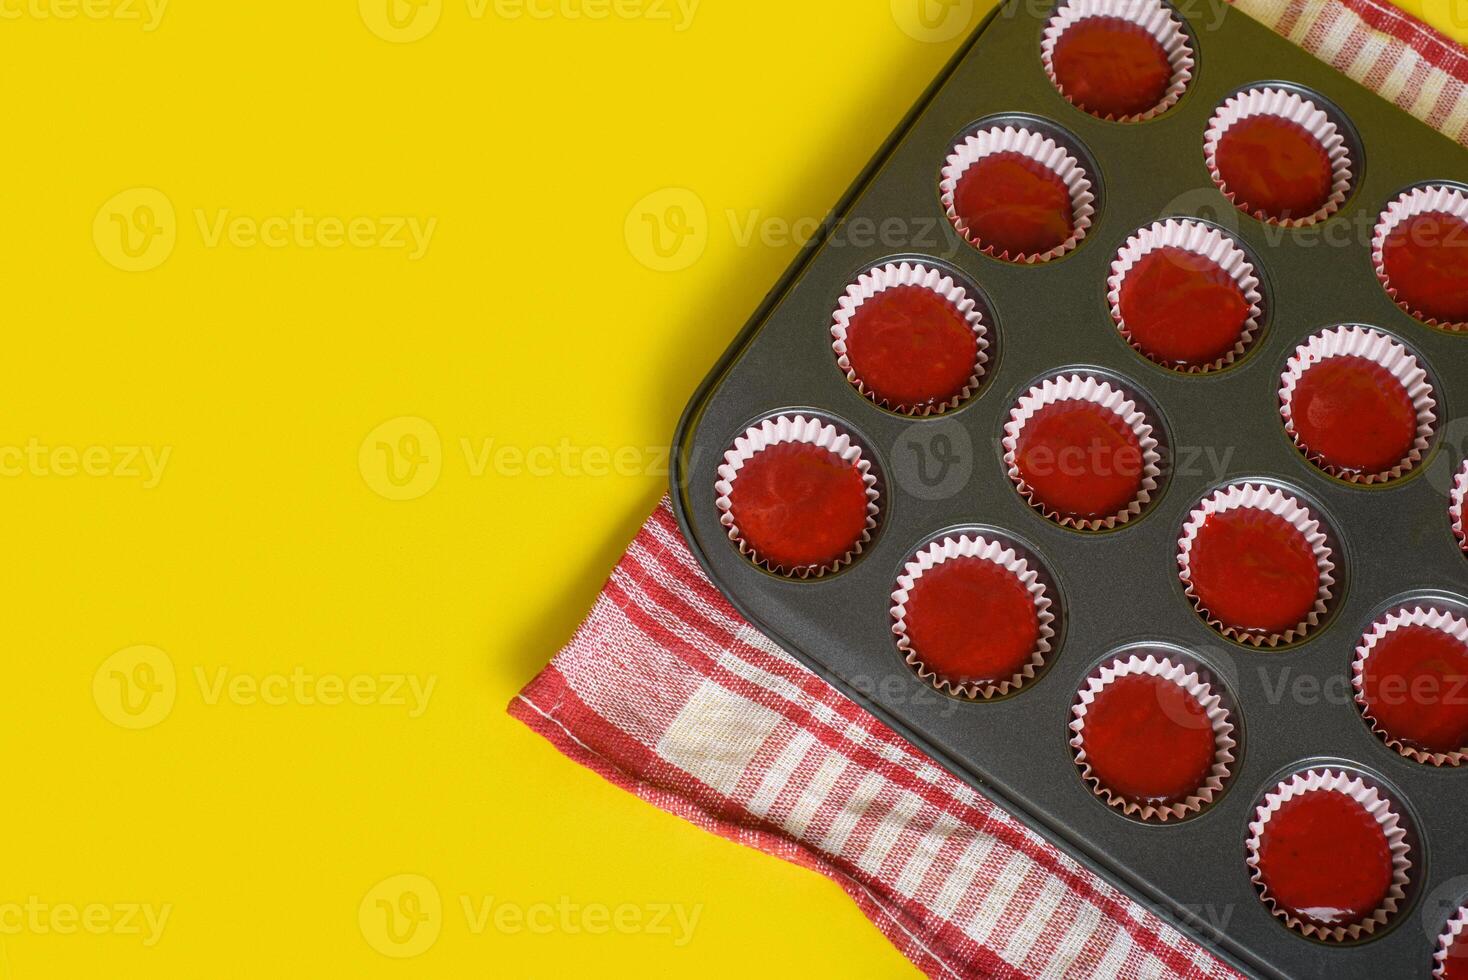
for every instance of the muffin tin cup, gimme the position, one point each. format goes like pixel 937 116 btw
pixel 1437 619
pixel 891 276
pixel 1281 504
pixel 1211 244
pixel 1449 937
pixel 1201 691
pixel 1153 17
pixel 1086 388
pixel 1458 505
pixel 1042 150
pixel 1435 198
pixel 797 429
pixel 1382 350
pixel 990 550
pixel 1295 108
pixel 1378 805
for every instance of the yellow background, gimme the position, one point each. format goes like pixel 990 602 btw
pixel 539 321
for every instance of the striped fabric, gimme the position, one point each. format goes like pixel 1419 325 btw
pixel 1386 50
pixel 666 692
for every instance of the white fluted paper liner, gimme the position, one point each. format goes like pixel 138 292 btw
pixel 794 428
pixel 1044 151
pixel 1377 347
pixel 1459 505
pixel 1281 504
pixel 1418 200
pixel 973 546
pixel 1435 619
pixel 1080 387
pixel 1200 239
pixel 1200 691
pixel 1302 112
pixel 1150 15
pixel 890 276
pixel 1374 803
pixel 1449 938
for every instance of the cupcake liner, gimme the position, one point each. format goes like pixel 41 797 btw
pixel 973 546
pixel 1298 110
pixel 1418 200
pixel 1275 502
pixel 1150 15
pixel 794 428
pixel 891 276
pixel 1447 940
pixel 1377 347
pixel 1377 805
pixel 1080 387
pixel 1199 689
pixel 1435 619
pixel 1459 505
pixel 1200 239
pixel 1041 149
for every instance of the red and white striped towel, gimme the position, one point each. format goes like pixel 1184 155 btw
pixel 667 692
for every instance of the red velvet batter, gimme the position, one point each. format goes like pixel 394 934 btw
pixel 972 622
pixel 1426 262
pixel 1149 740
pixel 1351 413
pixel 1111 67
pixel 1254 571
pixel 1274 166
pixel 1325 860
pixel 1080 460
pixel 911 347
pixel 1416 688
pixel 1181 309
pixel 799 505
pixel 1015 205
pixel 1455 967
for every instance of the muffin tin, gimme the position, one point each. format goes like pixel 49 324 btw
pixel 940 480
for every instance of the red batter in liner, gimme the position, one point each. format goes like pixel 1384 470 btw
pixel 1080 460
pixel 1182 309
pixel 1351 413
pixel 1325 860
pixel 1275 167
pixel 1455 965
pixel 1254 571
pixel 1148 740
pixel 971 621
pixel 1425 259
pixel 1015 205
pixel 1110 66
pixel 798 505
pixel 911 347
pixel 1415 688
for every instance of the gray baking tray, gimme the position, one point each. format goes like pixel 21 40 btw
pixel 1118 589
